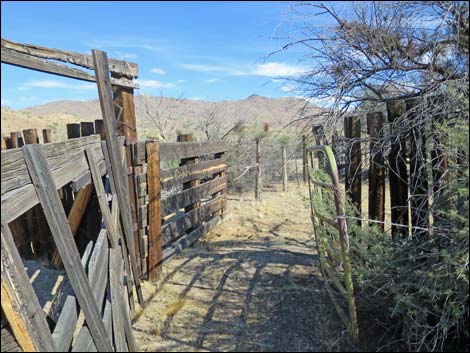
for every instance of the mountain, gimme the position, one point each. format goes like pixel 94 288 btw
pixel 162 116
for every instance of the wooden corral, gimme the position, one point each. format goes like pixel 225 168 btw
pixel 96 214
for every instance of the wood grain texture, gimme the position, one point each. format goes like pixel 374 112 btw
pixel 154 211
pixel 19 301
pixel 121 67
pixel 63 238
pixel 100 61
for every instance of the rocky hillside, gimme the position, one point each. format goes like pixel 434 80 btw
pixel 161 116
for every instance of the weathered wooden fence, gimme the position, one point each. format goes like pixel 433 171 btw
pixel 104 207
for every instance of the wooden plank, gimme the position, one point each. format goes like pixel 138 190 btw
pixel 101 194
pixel 75 217
pixel 121 67
pixel 189 239
pixel 154 211
pixel 30 62
pixel 173 177
pixel 59 154
pixel 87 128
pixel 353 175
pixel 98 279
pixel 178 150
pixel 223 192
pixel 115 282
pixel 100 61
pixel 129 281
pixel 63 331
pixel 19 200
pixel 57 220
pixel 85 179
pixel 175 202
pixel 377 173
pixel 177 227
pixel 73 130
pixel 46 135
pixel 19 302
pixel 258 180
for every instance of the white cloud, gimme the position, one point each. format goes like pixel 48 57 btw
pixel 288 88
pixel 154 84
pixel 5 101
pixel 272 69
pixel 211 80
pixel 275 69
pixel 58 84
pixel 182 81
pixel 204 68
pixel 124 55
pixel 157 70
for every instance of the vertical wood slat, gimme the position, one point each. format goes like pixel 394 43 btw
pixel 46 135
pixel 100 61
pixel 375 126
pixel 398 174
pixel 63 238
pixel 115 207
pixel 123 99
pixel 19 301
pixel 154 211
pixel 220 155
pixel 87 128
pixel 73 130
pixel 258 171
pixel 304 158
pixel 353 175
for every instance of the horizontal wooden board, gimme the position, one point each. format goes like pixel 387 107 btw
pixel 189 239
pixel 179 150
pixel 177 176
pixel 31 62
pixel 189 196
pixel 120 67
pixel 14 173
pixel 19 200
pixel 177 227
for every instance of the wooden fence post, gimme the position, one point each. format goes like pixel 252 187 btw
pixel 304 158
pixel 155 238
pixel 99 129
pixel 353 175
pixel 46 135
pixel 4 143
pixel 375 125
pixel 87 128
pixel 73 130
pixel 284 168
pixel 398 174
pixel 419 200
pixel 258 180
pixel 16 139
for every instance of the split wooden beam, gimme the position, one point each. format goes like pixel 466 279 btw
pixel 121 67
pixel 63 238
pixel 109 120
pixel 31 62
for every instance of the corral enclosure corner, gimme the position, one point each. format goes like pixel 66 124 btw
pixel 95 214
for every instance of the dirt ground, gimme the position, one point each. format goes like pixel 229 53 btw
pixel 250 285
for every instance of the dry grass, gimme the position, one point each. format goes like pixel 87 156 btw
pixel 250 285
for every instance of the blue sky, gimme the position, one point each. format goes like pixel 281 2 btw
pixel 197 50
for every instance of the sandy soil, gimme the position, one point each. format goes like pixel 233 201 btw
pixel 250 285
